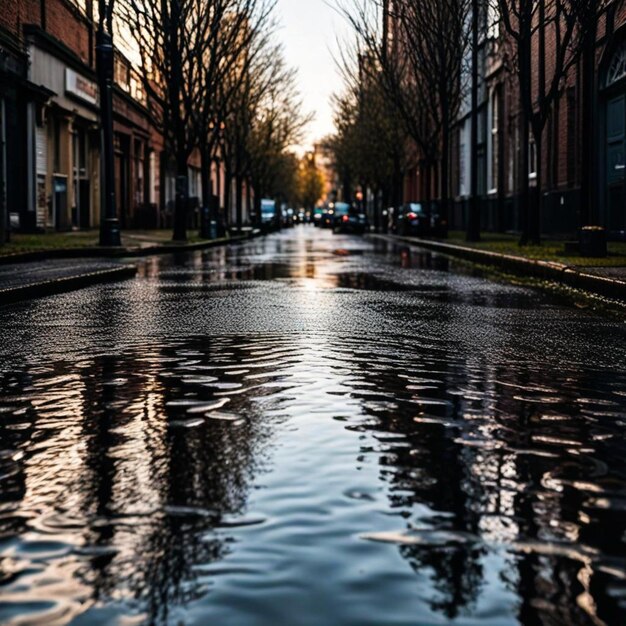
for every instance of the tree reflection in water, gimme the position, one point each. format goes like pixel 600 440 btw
pixel 138 500
pixel 116 486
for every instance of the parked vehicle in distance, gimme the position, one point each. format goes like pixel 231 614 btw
pixel 411 220
pixel 286 216
pixel 269 218
pixel 317 216
pixel 349 219
pixel 328 216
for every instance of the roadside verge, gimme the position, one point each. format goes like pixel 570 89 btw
pixel 566 274
pixel 90 252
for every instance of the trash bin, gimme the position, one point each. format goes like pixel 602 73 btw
pixel 592 241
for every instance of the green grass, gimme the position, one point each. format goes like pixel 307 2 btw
pixel 549 250
pixel 22 243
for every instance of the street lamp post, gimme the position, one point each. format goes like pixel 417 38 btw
pixel 109 224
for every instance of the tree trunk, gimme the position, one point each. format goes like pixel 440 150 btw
pixel 182 196
pixel 207 192
pixel 536 202
pixel 239 201
pixel 445 166
pixel 249 200
pixel 396 190
pixel 427 186
pixel 228 185
pixel 524 187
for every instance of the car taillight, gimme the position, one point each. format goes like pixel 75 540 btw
pixel 412 216
pixel 345 218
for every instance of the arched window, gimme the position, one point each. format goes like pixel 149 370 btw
pixel 617 68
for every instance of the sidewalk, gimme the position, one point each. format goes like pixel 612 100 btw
pixel 84 244
pixel 32 266
pixel 605 277
pixel 21 281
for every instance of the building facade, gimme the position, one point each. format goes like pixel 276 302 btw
pixel 50 142
pixel 583 144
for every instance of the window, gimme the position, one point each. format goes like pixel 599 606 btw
pixel 462 161
pixel 493 21
pixel 493 149
pixel 617 68
pixel 139 171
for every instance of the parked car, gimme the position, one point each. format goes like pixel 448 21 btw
pixel 411 220
pixel 286 216
pixel 269 218
pixel 317 216
pixel 328 216
pixel 349 219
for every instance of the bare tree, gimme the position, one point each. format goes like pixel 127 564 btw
pixel 184 47
pixel 369 145
pixel 419 47
pixel 242 30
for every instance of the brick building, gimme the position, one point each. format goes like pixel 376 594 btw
pixel 50 127
pixel 583 143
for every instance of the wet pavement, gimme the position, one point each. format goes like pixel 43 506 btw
pixel 311 429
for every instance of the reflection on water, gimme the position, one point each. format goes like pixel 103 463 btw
pixel 392 475
pixel 126 479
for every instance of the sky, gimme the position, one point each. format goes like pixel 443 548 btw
pixel 309 30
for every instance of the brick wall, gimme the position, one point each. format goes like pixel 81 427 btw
pixel 61 19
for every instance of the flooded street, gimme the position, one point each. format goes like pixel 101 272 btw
pixel 311 430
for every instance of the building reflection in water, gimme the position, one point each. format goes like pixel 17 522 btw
pixel 109 482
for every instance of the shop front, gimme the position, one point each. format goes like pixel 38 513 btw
pixel 64 131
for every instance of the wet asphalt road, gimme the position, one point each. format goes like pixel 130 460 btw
pixel 311 430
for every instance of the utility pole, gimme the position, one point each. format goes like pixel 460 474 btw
pixel 473 226
pixel 109 224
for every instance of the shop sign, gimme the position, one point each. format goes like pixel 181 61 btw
pixel 80 86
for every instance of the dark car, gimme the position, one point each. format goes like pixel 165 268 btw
pixel 317 216
pixel 348 219
pixel 328 216
pixel 411 220
pixel 287 218
pixel 269 218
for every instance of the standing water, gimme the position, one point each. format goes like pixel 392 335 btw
pixel 311 430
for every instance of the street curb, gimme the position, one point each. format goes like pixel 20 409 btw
pixel 69 283
pixel 119 252
pixel 566 274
